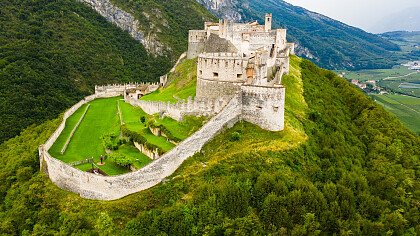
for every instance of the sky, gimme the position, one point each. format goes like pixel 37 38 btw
pixel 363 14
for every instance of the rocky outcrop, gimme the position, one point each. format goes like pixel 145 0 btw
pixel 223 8
pixel 127 22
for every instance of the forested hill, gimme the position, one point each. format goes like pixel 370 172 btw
pixel 52 53
pixel 343 165
pixel 329 43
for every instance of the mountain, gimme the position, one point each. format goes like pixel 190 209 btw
pixel 329 43
pixel 343 165
pixel 52 53
pixel 405 20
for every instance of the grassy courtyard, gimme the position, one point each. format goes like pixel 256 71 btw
pixel 101 120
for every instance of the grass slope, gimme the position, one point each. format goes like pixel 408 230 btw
pixel 343 166
pixel 181 84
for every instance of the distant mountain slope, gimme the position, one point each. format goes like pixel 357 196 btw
pixel 52 53
pixel 408 19
pixel 328 42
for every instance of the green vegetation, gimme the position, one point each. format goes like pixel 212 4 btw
pixel 100 120
pixel 178 131
pixel 342 166
pixel 139 131
pixel 181 84
pixel 170 21
pixel 100 130
pixel 52 53
pixel 390 79
pixel 398 81
pixel 406 108
pixel 409 43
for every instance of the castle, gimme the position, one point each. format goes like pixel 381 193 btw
pixel 239 73
pixel 248 59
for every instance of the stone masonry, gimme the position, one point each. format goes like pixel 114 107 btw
pixel 238 78
pixel 249 59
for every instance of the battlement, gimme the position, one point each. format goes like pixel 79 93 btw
pixel 197 36
pixel 262 92
pixel 221 56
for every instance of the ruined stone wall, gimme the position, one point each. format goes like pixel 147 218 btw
pixel 264 106
pixel 222 67
pixel 196 43
pixel 149 153
pixel 191 107
pixel 98 187
pixel 214 89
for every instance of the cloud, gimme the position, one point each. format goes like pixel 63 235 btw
pixel 360 13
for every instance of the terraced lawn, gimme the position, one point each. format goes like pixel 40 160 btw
pixel 131 117
pixel 103 119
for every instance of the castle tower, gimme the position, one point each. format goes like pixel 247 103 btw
pixel 268 22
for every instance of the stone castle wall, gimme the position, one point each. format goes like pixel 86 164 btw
pixel 215 89
pixel 99 187
pixel 196 43
pixel 222 67
pixel 263 106
pixel 191 107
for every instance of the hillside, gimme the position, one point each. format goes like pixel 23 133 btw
pixel 329 43
pixel 343 165
pixel 52 53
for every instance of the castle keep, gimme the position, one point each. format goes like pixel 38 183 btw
pixel 247 59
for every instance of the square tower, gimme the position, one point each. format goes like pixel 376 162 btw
pixel 268 22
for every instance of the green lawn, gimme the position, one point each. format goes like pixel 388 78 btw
pixel 131 117
pixel 100 119
pixel 406 108
pixel 181 84
pixel 140 160
pixel 184 129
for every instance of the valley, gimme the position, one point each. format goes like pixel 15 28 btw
pixel 397 89
pixel 300 153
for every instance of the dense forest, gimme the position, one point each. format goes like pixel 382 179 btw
pixel 342 166
pixel 52 53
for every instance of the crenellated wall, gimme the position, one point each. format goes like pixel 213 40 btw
pixel 263 106
pixel 196 43
pixel 191 107
pixel 99 187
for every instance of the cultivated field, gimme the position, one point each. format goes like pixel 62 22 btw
pixel 406 108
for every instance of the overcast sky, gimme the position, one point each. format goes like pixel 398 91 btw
pixel 360 13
